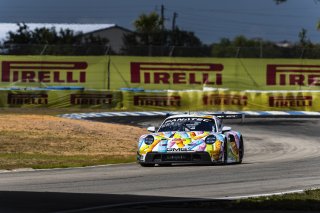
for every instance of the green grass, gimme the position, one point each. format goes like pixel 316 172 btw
pixel 10 161
pixel 309 200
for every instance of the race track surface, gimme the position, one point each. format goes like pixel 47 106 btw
pixel 280 155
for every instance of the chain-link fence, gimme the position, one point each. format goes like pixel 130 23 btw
pixel 174 51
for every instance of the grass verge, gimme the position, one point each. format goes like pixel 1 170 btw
pixel 41 140
pixel 309 200
pixel 42 161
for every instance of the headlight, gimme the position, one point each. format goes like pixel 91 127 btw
pixel 210 139
pixel 149 139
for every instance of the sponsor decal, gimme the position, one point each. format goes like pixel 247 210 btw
pixel 219 99
pixel 290 101
pixel 179 149
pixel 25 99
pixel 188 119
pixel 43 71
pixel 176 73
pixel 90 99
pixel 286 74
pixel 145 100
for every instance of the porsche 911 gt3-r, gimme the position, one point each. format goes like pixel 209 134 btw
pixel 193 138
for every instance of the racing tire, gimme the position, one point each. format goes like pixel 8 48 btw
pixel 225 152
pixel 147 164
pixel 165 164
pixel 241 150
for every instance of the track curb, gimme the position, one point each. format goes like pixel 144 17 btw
pixel 247 114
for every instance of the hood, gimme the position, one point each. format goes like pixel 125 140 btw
pixel 176 142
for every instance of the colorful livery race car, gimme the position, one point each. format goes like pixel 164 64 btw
pixel 193 138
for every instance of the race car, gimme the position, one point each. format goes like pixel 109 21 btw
pixel 191 138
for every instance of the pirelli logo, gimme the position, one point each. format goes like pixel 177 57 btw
pixel 44 71
pixel 27 99
pixel 287 74
pixel 228 100
pixel 90 99
pixel 144 100
pixel 176 73
pixel 290 101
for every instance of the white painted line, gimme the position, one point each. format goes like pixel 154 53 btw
pixel 146 113
pixel 106 114
pixel 133 114
pixel 277 112
pixel 261 195
pixel 160 113
pixel 251 113
pixel 118 113
pixel 311 113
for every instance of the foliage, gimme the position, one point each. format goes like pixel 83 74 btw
pixel 243 47
pixel 44 35
pixel 149 32
pixel 53 42
pixel 279 1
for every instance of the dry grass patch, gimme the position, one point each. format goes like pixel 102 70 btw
pixel 45 135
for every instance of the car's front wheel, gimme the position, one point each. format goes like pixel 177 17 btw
pixel 225 152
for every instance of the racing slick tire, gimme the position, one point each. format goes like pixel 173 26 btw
pixel 241 150
pixel 225 152
pixel 147 164
pixel 165 164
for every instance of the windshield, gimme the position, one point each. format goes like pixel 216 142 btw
pixel 188 124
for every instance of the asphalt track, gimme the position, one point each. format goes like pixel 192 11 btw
pixel 281 155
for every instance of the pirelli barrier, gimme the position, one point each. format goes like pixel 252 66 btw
pixel 175 100
pixel 61 99
pixel 216 83
pixel 160 73
pixel 222 101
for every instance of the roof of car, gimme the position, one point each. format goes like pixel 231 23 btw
pixel 197 115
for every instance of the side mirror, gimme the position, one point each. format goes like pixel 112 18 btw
pixel 151 129
pixel 226 129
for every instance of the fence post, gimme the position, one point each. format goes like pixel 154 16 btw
pixel 302 53
pixel 44 49
pixel 171 51
pixel 238 52
pixel 108 67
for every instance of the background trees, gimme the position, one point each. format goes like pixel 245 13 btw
pixel 151 38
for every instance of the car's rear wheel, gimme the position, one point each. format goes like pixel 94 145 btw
pixel 241 150
pixel 165 164
pixel 147 164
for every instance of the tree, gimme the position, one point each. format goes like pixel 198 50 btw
pixel 303 40
pixel 44 35
pixel 279 1
pixel 148 26
pixel 21 36
pixel 50 41
pixel 151 36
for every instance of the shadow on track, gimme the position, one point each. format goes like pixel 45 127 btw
pixel 74 202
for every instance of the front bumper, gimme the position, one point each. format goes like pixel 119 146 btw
pixel 174 157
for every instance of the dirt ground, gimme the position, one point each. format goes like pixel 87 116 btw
pixel 40 132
